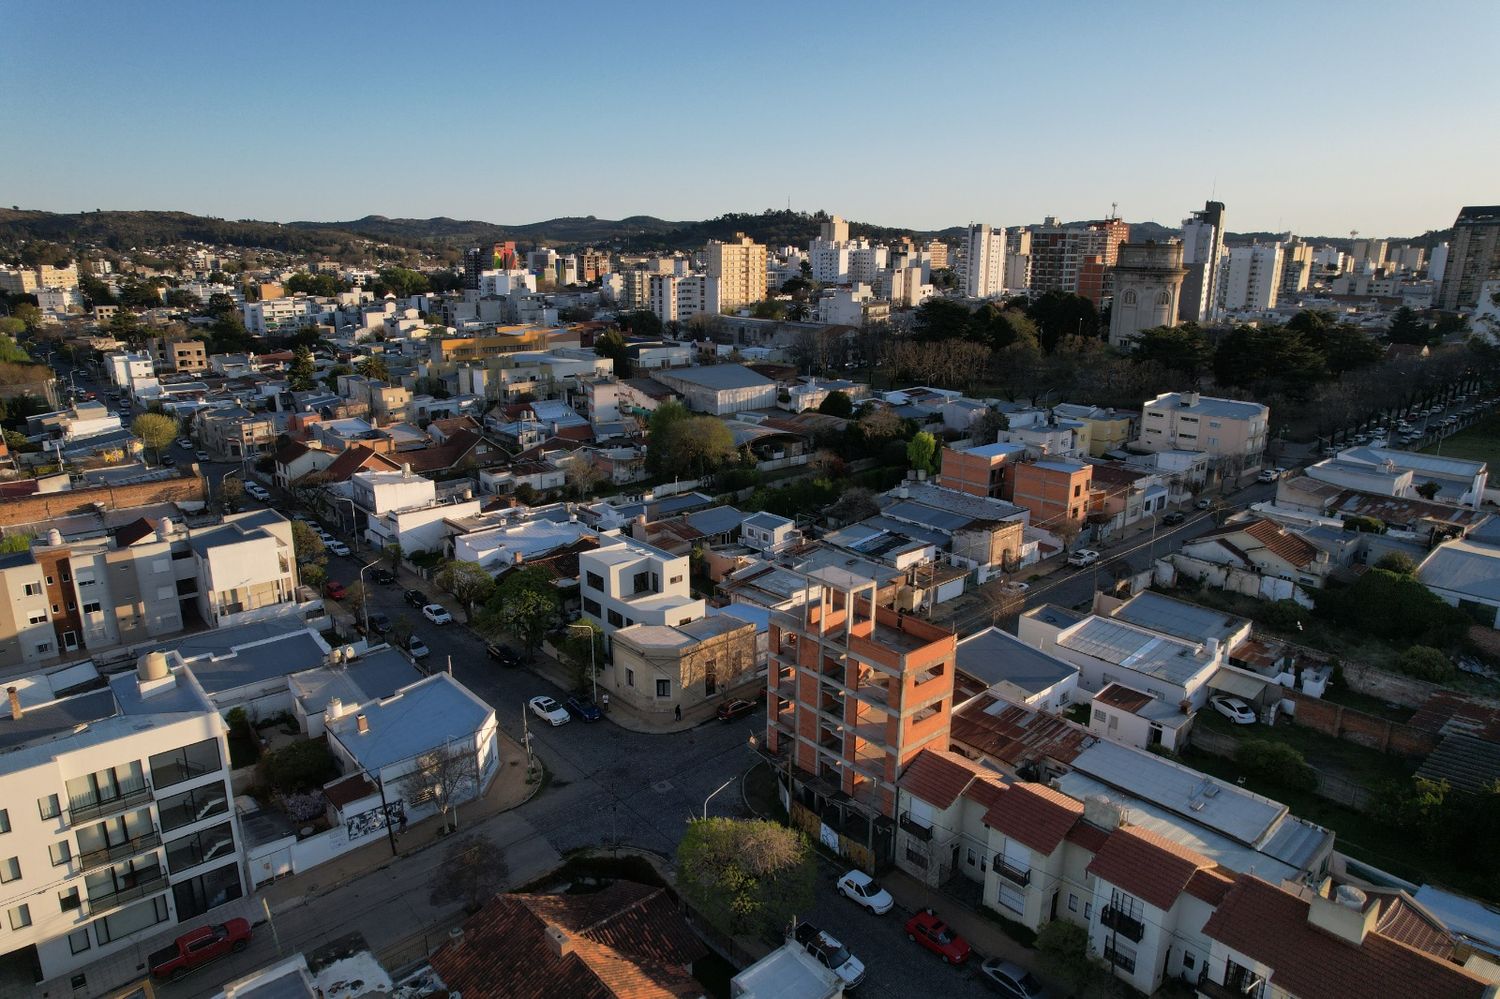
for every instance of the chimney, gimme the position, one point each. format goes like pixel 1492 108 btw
pixel 559 942
pixel 362 723
pixel 519 557
pixel 15 703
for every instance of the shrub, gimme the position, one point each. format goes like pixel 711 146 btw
pixel 1276 762
pixel 1400 563
pixel 1062 950
pixel 301 766
pixel 1284 615
pixel 1365 525
pixel 1426 663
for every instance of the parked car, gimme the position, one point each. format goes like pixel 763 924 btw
pixel 1083 556
pixel 1233 708
pixel 384 577
pixel 1010 980
pixel 1014 586
pixel 831 954
pixel 184 443
pixel 196 948
pixel 380 624
pixel 737 708
pixel 1269 474
pixel 1174 518
pixel 167 461
pixel 201 455
pixel 937 936
pixel 437 614
pixel 335 590
pixel 414 598
pixel 583 708
pixel 417 647
pixel 866 891
pixel 257 490
pixel 502 655
pixel 548 710
pixel 338 548
pixel 1203 504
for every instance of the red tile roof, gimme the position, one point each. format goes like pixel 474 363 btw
pixel 1402 919
pixel 627 941
pixel 1088 836
pixel 1269 925
pixel 1015 734
pixel 938 777
pixel 290 452
pixel 357 459
pixel 1209 886
pixel 1150 867
pixel 1035 815
pixel 1125 698
pixel 1290 548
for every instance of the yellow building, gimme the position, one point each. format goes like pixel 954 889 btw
pixel 740 267
pixel 504 340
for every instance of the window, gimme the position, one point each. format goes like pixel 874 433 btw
pixel 20 917
pixel 196 805
pixel 10 870
pixel 663 688
pixel 196 896
pixel 591 606
pixel 92 607
pixel 200 847
pixel 68 900
pixel 179 765
pixel 4 820
pixel 78 941
pixel 1088 910
pixel 615 619
pixel 970 858
pixel 61 852
pixel 1077 491
pixel 33 589
pixel 1072 902
pixel 42 648
pixel 675 580
pixel 629 677
pixel 1188 961
pixel 50 582
pixel 48 807
pixel 595 581
pixel 135 918
pixel 36 617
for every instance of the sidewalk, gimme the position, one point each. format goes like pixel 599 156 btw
pixel 622 714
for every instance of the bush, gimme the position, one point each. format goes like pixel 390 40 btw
pixel 1284 615
pixel 302 766
pixel 1426 663
pixel 1276 762
pixel 1400 563
pixel 1062 950
pixel 1365 525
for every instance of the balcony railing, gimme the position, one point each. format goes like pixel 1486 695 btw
pixel 1124 962
pixel 128 796
pixel 914 827
pixel 1020 875
pixel 1126 926
pixel 113 900
pixel 120 851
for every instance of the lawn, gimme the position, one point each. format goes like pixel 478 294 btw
pixel 1322 752
pixel 1479 442
pixel 1377 706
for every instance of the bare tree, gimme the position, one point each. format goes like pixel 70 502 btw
pixel 583 475
pixel 443 777
pixel 473 870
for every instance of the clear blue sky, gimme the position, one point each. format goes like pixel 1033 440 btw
pixel 1314 117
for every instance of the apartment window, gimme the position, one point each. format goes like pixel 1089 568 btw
pixel 78 941
pixel 1072 902
pixel 10 870
pixel 33 589
pixel 663 688
pixel 49 807
pixel 196 805
pixel 675 580
pixel 1077 491
pixel 595 581
pixel 68 900
pixel 20 917
pixel 1088 911
pixel 642 583
pixel 1188 961
pixel 182 764
pixel 629 677
pixel 133 919
pixel 37 617
pixel 42 648
pixel 196 896
pixel 92 607
pixel 616 620
pixel 49 581
pixel 592 607
pixel 61 852
pixel 4 820
pixel 200 847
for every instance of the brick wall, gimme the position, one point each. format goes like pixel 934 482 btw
pixel 46 506
pixel 1360 728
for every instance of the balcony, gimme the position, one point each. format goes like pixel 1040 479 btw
pixel 914 827
pixel 128 796
pixel 1124 962
pixel 155 882
pixel 1008 871
pixel 120 851
pixel 1127 927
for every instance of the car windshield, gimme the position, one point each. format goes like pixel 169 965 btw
pixel 873 888
pixel 1030 985
pixel 837 957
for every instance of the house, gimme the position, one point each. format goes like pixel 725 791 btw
pixel 295 459
pixel 981 471
pixel 1258 546
pixel 658 668
pixel 1055 491
pixel 788 972
pixel 1466 574
pixel 626 582
pixel 719 389
pixel 625 940
pixel 1231 433
pixel 235 432
pixel 1136 718
pixel 1393 472
pixel 767 532
pixel 1009 668
pixel 1104 430
pixel 984 534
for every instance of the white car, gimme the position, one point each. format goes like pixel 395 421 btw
pixel 1014 586
pixel 1083 556
pixel 1269 475
pixel 866 891
pixel 546 708
pixel 436 613
pixel 184 443
pixel 338 548
pixel 257 490
pixel 1233 708
pixel 201 455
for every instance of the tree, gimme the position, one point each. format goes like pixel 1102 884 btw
pixel 312 574
pixel 400 281
pixel 988 426
pixel 1176 348
pixel 306 544
pixel 1427 663
pixel 1401 609
pixel 302 375
pixel 1276 762
pixel 1400 563
pixel 747 877
pixel 525 605
pixel 612 345
pixel 470 583
pixel 837 404
pixel 940 319
pixel 473 871
pixel 326 285
pixel 231 494
pixel 1347 348
pixel 1059 314
pixel 643 322
pixel 1407 328
pixel 444 776
pixel 854 505
pixel 1428 490
pixel 1062 950
pixel 155 430
pixel 29 314
pixel 582 651
pixel 879 423
pixel 696 446
pixel 373 368
pixel 395 553
pixel 583 475
pixel 12 352
pixel 921 450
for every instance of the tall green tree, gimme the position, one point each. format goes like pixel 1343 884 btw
pixel 695 446
pixel 156 431
pixel 746 876
pixel 837 404
pixel 400 281
pixel 1059 314
pixel 642 322
pixel 611 344
pixel 524 605
pixel 302 375
pixel 1177 348
pixel 940 319
pixel 1407 328
pixel 374 368
pixel 470 583
pixel 921 451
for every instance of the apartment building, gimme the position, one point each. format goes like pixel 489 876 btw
pixel 981 471
pixel 740 267
pixel 116 813
pixel 48 276
pixel 479 347
pixel 272 316
pixel 1061 255
pixel 1202 246
pixel 235 432
pixel 178 354
pixel 982 264
pixel 1251 278
pixel 246 568
pixel 626 582
pixel 1056 491
pixel 402 508
pixel 677 298
pixel 1473 257
pixel 1232 433
pixel 388 402
pixel 855 692
pixel 126 369
pixel 659 668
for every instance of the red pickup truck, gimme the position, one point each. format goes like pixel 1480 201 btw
pixel 198 947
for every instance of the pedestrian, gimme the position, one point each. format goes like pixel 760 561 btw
pixel 605 700
pixel 678 710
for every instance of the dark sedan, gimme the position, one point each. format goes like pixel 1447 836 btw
pixel 384 577
pixel 415 598
pixel 583 708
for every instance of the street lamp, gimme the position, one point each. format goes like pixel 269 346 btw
pixel 714 792
pixel 353 521
pixel 364 596
pixel 593 675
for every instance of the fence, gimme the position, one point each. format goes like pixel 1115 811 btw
pixel 1359 727
pixel 1331 787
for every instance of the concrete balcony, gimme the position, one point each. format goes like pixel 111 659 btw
pixel 126 796
pixel 155 882
pixel 120 851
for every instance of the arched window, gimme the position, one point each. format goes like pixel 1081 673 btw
pixel 1129 298
pixel 1162 298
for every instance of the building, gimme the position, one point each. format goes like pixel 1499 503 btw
pixel 235 432
pixel 981 471
pixel 1074 258
pixel 178 354
pixel 1296 266
pixel 630 582
pixel 1261 547
pixel 855 692
pixel 658 668
pixel 719 389
pixel 1148 285
pixel 1252 278
pixel 1007 667
pixel 1056 491
pixel 1202 248
pixel 982 262
pixel 1473 257
pixel 116 809
pixel 1232 433
pixel 245 568
pixel 740 267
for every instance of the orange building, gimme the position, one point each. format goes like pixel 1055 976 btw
pixel 1054 490
pixel 981 471
pixel 855 691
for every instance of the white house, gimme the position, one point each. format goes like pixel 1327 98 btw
pixel 629 582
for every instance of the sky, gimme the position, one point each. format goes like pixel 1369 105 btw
pixel 1316 118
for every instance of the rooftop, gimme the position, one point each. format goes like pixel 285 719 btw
pixel 227 658
pixel 997 658
pixel 372 676
pixel 716 376
pixel 1463 566
pixel 432 712
pixel 1145 652
pixel 1210 406
pixel 1178 618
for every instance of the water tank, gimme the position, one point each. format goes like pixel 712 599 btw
pixel 54 537
pixel 334 709
pixel 153 666
pixel 1350 897
pixel 164 529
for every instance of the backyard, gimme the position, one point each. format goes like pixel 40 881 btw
pixel 1480 442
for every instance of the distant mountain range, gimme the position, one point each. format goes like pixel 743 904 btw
pixel 122 231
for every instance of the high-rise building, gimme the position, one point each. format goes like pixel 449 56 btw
pixel 1148 280
pixel 500 257
pixel 1251 278
pixel 1202 246
pixel 835 230
pixel 938 251
pixel 1060 256
pixel 592 265
pixel 1018 257
pixel 740 266
pixel 1296 265
pixel 983 267
pixel 1369 254
pixel 1437 264
pixel 1473 257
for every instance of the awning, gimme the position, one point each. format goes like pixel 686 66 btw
pixel 1239 684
